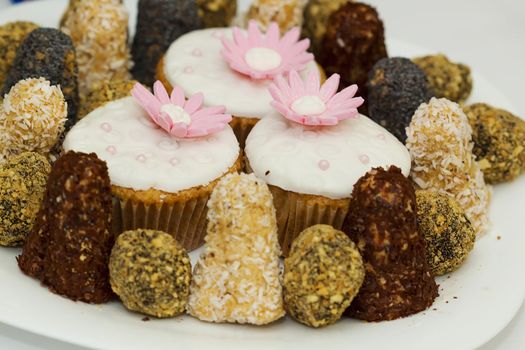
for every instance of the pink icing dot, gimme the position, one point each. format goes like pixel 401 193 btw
pixel 216 34
pixel 188 70
pixel 174 161
pixel 381 136
pixel 324 164
pixel 364 158
pixel 141 158
pixel 106 127
pixel 111 150
pixel 197 53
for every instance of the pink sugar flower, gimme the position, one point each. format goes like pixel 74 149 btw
pixel 178 116
pixel 265 56
pixel 311 104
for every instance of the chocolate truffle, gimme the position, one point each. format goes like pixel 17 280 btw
pixel 382 220
pixel 103 93
pixel 48 53
pixel 396 88
pixel 69 246
pixel 322 275
pixel 354 41
pixel 32 118
pixel 315 22
pixel 11 36
pixel 286 13
pixel 237 278
pixel 99 31
pixel 499 142
pixel 217 13
pixel 159 23
pixel 22 184
pixel 151 273
pixel 448 233
pixel 448 79
pixel 440 144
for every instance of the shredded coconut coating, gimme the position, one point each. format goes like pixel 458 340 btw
pixel 287 13
pixel 99 31
pixel 103 93
pixel 499 142
pixel 322 275
pixel 32 117
pixel 11 36
pixel 440 143
pixel 237 278
pixel 22 185
pixel 150 272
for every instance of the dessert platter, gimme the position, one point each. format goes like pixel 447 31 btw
pixel 201 173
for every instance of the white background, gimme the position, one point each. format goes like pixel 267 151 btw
pixel 488 35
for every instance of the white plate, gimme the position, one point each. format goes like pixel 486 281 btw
pixel 475 303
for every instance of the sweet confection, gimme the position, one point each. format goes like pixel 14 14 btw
pixel 322 276
pixel 151 273
pixel 396 88
pixel 382 221
pixel 164 154
pixel 32 118
pixel 316 15
pixel 237 279
pixel 448 79
pixel 354 41
pixel 212 61
pixel 448 233
pixel 11 36
pixel 22 184
pixel 440 143
pixel 499 142
pixel 217 13
pixel 49 54
pixel 68 248
pixel 286 13
pixel 312 150
pixel 159 23
pixel 99 31
pixel 103 93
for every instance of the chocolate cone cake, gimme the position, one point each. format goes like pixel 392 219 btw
pixel 382 221
pixel 69 246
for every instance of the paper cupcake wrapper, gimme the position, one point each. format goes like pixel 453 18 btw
pixel 184 220
pixel 241 127
pixel 296 212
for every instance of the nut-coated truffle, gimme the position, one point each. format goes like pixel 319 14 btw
pixel 322 275
pixel 448 79
pixel 354 41
pixel 286 13
pixel 237 278
pixel 396 88
pixel 440 144
pixel 448 233
pixel 22 185
pixel 382 220
pixel 499 142
pixel 32 118
pixel 150 272
pixel 217 13
pixel 11 36
pixel 103 93
pixel 48 53
pixel 69 246
pixel 159 23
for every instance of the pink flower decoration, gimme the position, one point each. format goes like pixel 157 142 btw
pixel 178 116
pixel 265 56
pixel 310 104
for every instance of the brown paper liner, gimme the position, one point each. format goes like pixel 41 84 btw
pixel 181 214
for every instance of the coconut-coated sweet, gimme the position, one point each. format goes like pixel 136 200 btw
pixel 103 93
pixel 322 275
pixel 150 272
pixel 286 13
pixel 382 221
pixel 217 13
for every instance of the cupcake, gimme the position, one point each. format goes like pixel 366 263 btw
pixel 235 68
pixel 313 148
pixel 164 154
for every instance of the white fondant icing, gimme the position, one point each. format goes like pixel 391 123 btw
pixel 195 63
pixel 308 105
pixel 142 156
pixel 262 58
pixel 325 161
